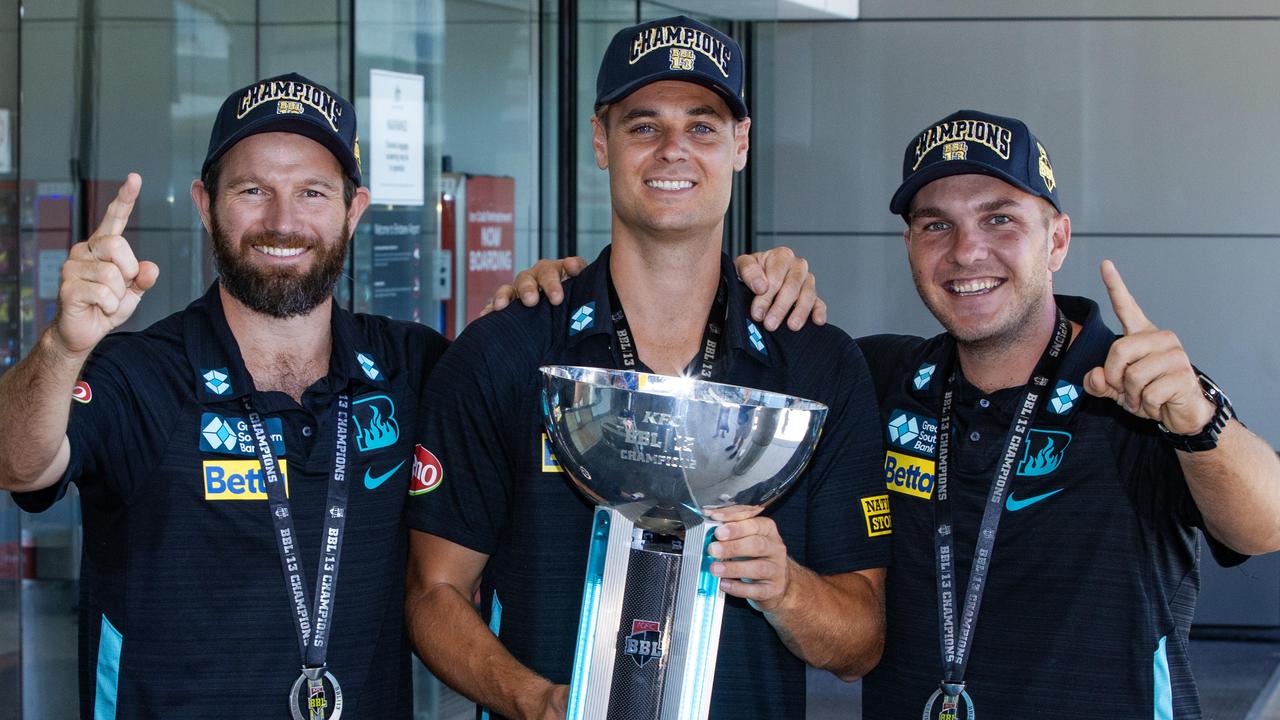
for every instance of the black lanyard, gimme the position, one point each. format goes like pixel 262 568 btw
pixel 956 643
pixel 704 364
pixel 313 639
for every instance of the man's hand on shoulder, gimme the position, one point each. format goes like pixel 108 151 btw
pixel 781 281
pixel 546 277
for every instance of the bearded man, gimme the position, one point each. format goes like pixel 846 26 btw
pixel 262 429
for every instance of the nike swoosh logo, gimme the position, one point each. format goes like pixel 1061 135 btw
pixel 373 481
pixel 1013 505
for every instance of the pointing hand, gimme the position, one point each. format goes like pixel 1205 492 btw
pixel 1146 371
pixel 102 281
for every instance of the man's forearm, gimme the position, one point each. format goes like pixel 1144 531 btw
pixel 1237 488
pixel 35 406
pixel 459 649
pixel 833 622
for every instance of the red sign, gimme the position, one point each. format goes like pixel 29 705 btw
pixel 491 241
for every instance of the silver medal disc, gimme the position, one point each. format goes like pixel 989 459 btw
pixel 316 704
pixel 951 707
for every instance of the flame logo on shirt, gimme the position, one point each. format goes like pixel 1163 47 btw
pixel 375 421
pixel 1052 446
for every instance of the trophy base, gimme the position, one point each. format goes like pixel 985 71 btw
pixel 650 624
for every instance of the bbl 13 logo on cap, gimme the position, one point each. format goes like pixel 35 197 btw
pixel 681 59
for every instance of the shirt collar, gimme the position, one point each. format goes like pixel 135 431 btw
pixel 1088 350
pixel 218 367
pixel 741 332
pixel 589 312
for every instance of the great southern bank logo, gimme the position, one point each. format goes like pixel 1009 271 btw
pixel 217 381
pixel 583 318
pixel 1064 397
pixel 233 436
pixel 924 375
pixel 757 340
pixel 368 366
pixel 913 433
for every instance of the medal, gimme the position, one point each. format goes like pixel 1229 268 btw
pixel 316 694
pixel 953 697
pixel 308 699
pixel 955 624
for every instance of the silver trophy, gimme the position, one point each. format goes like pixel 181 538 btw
pixel 656 453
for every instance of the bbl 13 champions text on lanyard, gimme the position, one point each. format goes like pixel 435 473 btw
pixel 955 643
pixel 316 694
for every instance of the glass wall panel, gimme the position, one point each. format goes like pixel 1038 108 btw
pixel 110 87
pixel 476 63
pixel 11 556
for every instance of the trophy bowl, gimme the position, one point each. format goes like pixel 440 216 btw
pixel 660 448
pixel 656 453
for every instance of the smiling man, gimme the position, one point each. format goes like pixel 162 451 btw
pixel 233 456
pixel 221 444
pixel 1047 479
pixel 494 513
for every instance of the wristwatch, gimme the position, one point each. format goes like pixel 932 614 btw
pixel 1207 438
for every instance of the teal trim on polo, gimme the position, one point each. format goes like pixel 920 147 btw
pixel 1163 685
pixel 495 615
pixel 108 683
pixel 495 624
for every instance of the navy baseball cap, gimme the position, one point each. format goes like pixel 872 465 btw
pixel 975 142
pixel 674 48
pixel 288 103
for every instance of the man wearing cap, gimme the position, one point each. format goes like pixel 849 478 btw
pixel 492 512
pixel 1047 478
pixel 214 450
pixel 189 516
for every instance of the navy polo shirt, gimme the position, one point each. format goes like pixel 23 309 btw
pixel 502 494
pixel 183 610
pixel 1093 580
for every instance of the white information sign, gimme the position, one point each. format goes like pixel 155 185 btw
pixel 396 163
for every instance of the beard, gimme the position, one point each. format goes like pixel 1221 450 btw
pixel 278 292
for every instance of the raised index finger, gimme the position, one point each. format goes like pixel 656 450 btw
pixel 117 214
pixel 1132 319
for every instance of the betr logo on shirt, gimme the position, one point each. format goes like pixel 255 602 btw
pixel 239 479
pixel 908 474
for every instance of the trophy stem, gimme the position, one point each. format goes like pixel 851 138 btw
pixel 699 611
pixel 649 626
